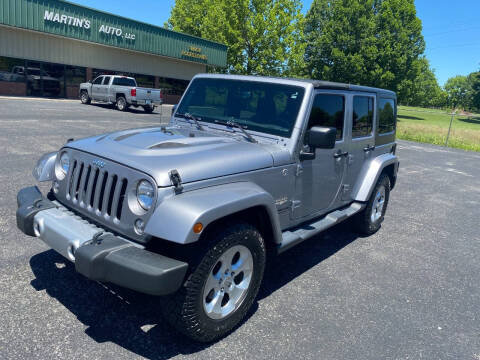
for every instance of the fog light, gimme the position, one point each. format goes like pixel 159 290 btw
pixel 139 226
pixel 55 187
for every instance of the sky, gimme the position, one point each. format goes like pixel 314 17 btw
pixel 450 27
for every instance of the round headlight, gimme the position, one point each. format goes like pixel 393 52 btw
pixel 145 194
pixel 63 166
pixel 65 162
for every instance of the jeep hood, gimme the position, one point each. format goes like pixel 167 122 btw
pixel 157 152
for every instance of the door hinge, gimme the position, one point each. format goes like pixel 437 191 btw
pixel 299 170
pixel 345 188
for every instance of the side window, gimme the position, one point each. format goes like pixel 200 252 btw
pixel 329 111
pixel 362 121
pixel 98 80
pixel 386 115
pixel 106 80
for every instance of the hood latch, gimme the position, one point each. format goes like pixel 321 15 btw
pixel 176 181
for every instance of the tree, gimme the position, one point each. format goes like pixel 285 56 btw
pixel 425 90
pixel 458 91
pixel 474 80
pixel 368 42
pixel 263 36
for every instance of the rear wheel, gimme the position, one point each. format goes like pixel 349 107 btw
pixel 370 219
pixel 222 287
pixel 148 108
pixel 84 98
pixel 121 103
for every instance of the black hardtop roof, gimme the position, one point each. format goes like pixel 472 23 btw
pixel 317 84
pixel 320 84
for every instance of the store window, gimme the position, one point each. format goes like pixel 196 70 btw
pixel 98 72
pixel 74 76
pixel 145 80
pixel 12 77
pixel 53 78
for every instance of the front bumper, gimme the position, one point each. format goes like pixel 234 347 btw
pixel 97 254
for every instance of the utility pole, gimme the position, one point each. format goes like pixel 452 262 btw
pixel 450 127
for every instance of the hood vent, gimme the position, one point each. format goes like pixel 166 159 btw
pixel 168 145
pixel 126 136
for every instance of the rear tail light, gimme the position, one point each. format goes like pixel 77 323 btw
pixel 133 92
pixel 161 95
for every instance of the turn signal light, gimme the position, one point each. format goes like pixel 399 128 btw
pixel 197 228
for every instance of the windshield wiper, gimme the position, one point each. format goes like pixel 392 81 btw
pixel 193 118
pixel 234 124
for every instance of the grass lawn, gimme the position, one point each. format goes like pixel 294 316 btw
pixel 431 126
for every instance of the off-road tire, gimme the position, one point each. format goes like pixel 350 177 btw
pixel 148 109
pixel 363 221
pixel 121 103
pixel 84 98
pixel 184 310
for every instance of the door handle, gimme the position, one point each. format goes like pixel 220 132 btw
pixel 369 148
pixel 339 154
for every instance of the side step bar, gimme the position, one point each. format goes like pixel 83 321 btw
pixel 295 236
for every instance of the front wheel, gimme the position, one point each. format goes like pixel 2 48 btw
pixel 220 290
pixel 84 98
pixel 370 219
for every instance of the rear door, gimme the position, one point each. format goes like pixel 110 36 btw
pixel 96 88
pixel 360 138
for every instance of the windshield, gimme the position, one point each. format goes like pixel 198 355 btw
pixel 263 107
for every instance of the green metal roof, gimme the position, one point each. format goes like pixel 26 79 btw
pixel 73 21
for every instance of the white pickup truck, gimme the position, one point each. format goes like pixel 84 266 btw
pixel 121 91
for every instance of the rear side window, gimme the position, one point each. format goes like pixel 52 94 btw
pixel 386 110
pixel 121 81
pixel 362 122
pixel 98 80
pixel 329 111
pixel 106 80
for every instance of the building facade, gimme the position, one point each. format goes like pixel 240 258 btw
pixel 49 47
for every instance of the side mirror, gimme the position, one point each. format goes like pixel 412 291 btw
pixel 319 137
pixel 174 108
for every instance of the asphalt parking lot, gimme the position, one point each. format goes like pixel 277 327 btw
pixel 411 291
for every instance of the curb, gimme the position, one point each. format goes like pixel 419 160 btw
pixel 35 98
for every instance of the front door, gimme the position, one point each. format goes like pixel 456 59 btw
pixel 96 88
pixel 360 139
pixel 104 88
pixel 319 181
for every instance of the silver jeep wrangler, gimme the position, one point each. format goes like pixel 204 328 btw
pixel 248 165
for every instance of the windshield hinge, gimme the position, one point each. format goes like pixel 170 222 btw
pixel 176 181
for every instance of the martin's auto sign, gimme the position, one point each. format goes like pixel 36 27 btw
pixel 66 19
pixel 85 23
pixel 73 21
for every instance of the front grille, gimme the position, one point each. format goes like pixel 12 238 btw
pixel 104 192
pixel 97 190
